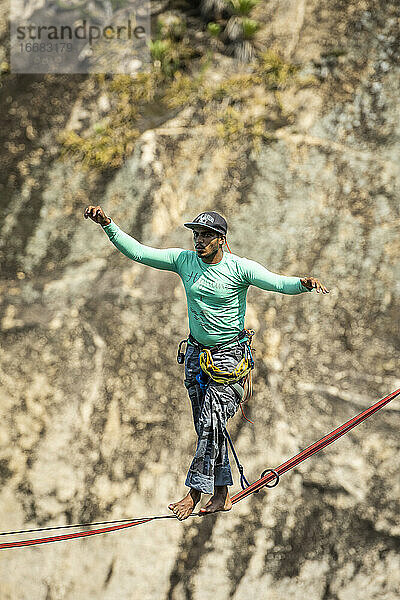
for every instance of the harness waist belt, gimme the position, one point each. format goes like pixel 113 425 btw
pixel 237 338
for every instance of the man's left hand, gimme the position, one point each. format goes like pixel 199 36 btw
pixel 311 283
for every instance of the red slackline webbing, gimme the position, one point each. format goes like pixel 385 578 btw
pixel 71 536
pixel 254 487
pixel 314 448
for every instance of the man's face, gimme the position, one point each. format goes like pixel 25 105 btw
pixel 206 242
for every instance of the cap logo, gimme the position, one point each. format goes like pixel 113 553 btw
pixel 204 218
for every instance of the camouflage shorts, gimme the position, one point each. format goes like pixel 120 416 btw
pixel 211 411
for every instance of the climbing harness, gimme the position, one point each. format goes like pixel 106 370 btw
pixel 242 372
pixel 242 369
pixel 220 375
pixel 268 478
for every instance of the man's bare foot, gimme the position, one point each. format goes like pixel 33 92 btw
pixel 220 501
pixel 184 508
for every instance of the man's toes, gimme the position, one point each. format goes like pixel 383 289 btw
pixel 204 510
pixel 179 513
pixel 174 508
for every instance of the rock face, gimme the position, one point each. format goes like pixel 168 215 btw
pixel 95 420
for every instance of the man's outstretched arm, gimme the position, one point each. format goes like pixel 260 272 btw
pixel 257 275
pixel 152 257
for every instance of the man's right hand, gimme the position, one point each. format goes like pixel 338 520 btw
pixel 97 215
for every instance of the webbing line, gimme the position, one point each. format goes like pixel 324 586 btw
pixel 316 447
pixel 71 536
pixel 55 527
pixel 243 481
pixel 252 488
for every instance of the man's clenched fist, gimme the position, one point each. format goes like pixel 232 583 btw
pixel 312 283
pixel 97 215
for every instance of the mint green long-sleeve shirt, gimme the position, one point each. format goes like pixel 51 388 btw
pixel 216 294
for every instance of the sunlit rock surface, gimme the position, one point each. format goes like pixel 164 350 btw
pixel 95 422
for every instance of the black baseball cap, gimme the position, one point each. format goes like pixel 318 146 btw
pixel 210 220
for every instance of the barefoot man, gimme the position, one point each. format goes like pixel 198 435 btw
pixel 216 284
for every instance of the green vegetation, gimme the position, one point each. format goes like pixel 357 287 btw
pixel 231 124
pixel 169 53
pixel 162 53
pixel 111 140
pixel 140 90
pixel 105 150
pixel 240 108
pixel 214 29
pixel 240 29
pixel 236 88
pixel 242 8
pixel 250 28
pixel 274 71
pixel 186 89
pixel 239 120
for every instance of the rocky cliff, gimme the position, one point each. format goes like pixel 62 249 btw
pixel 298 146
